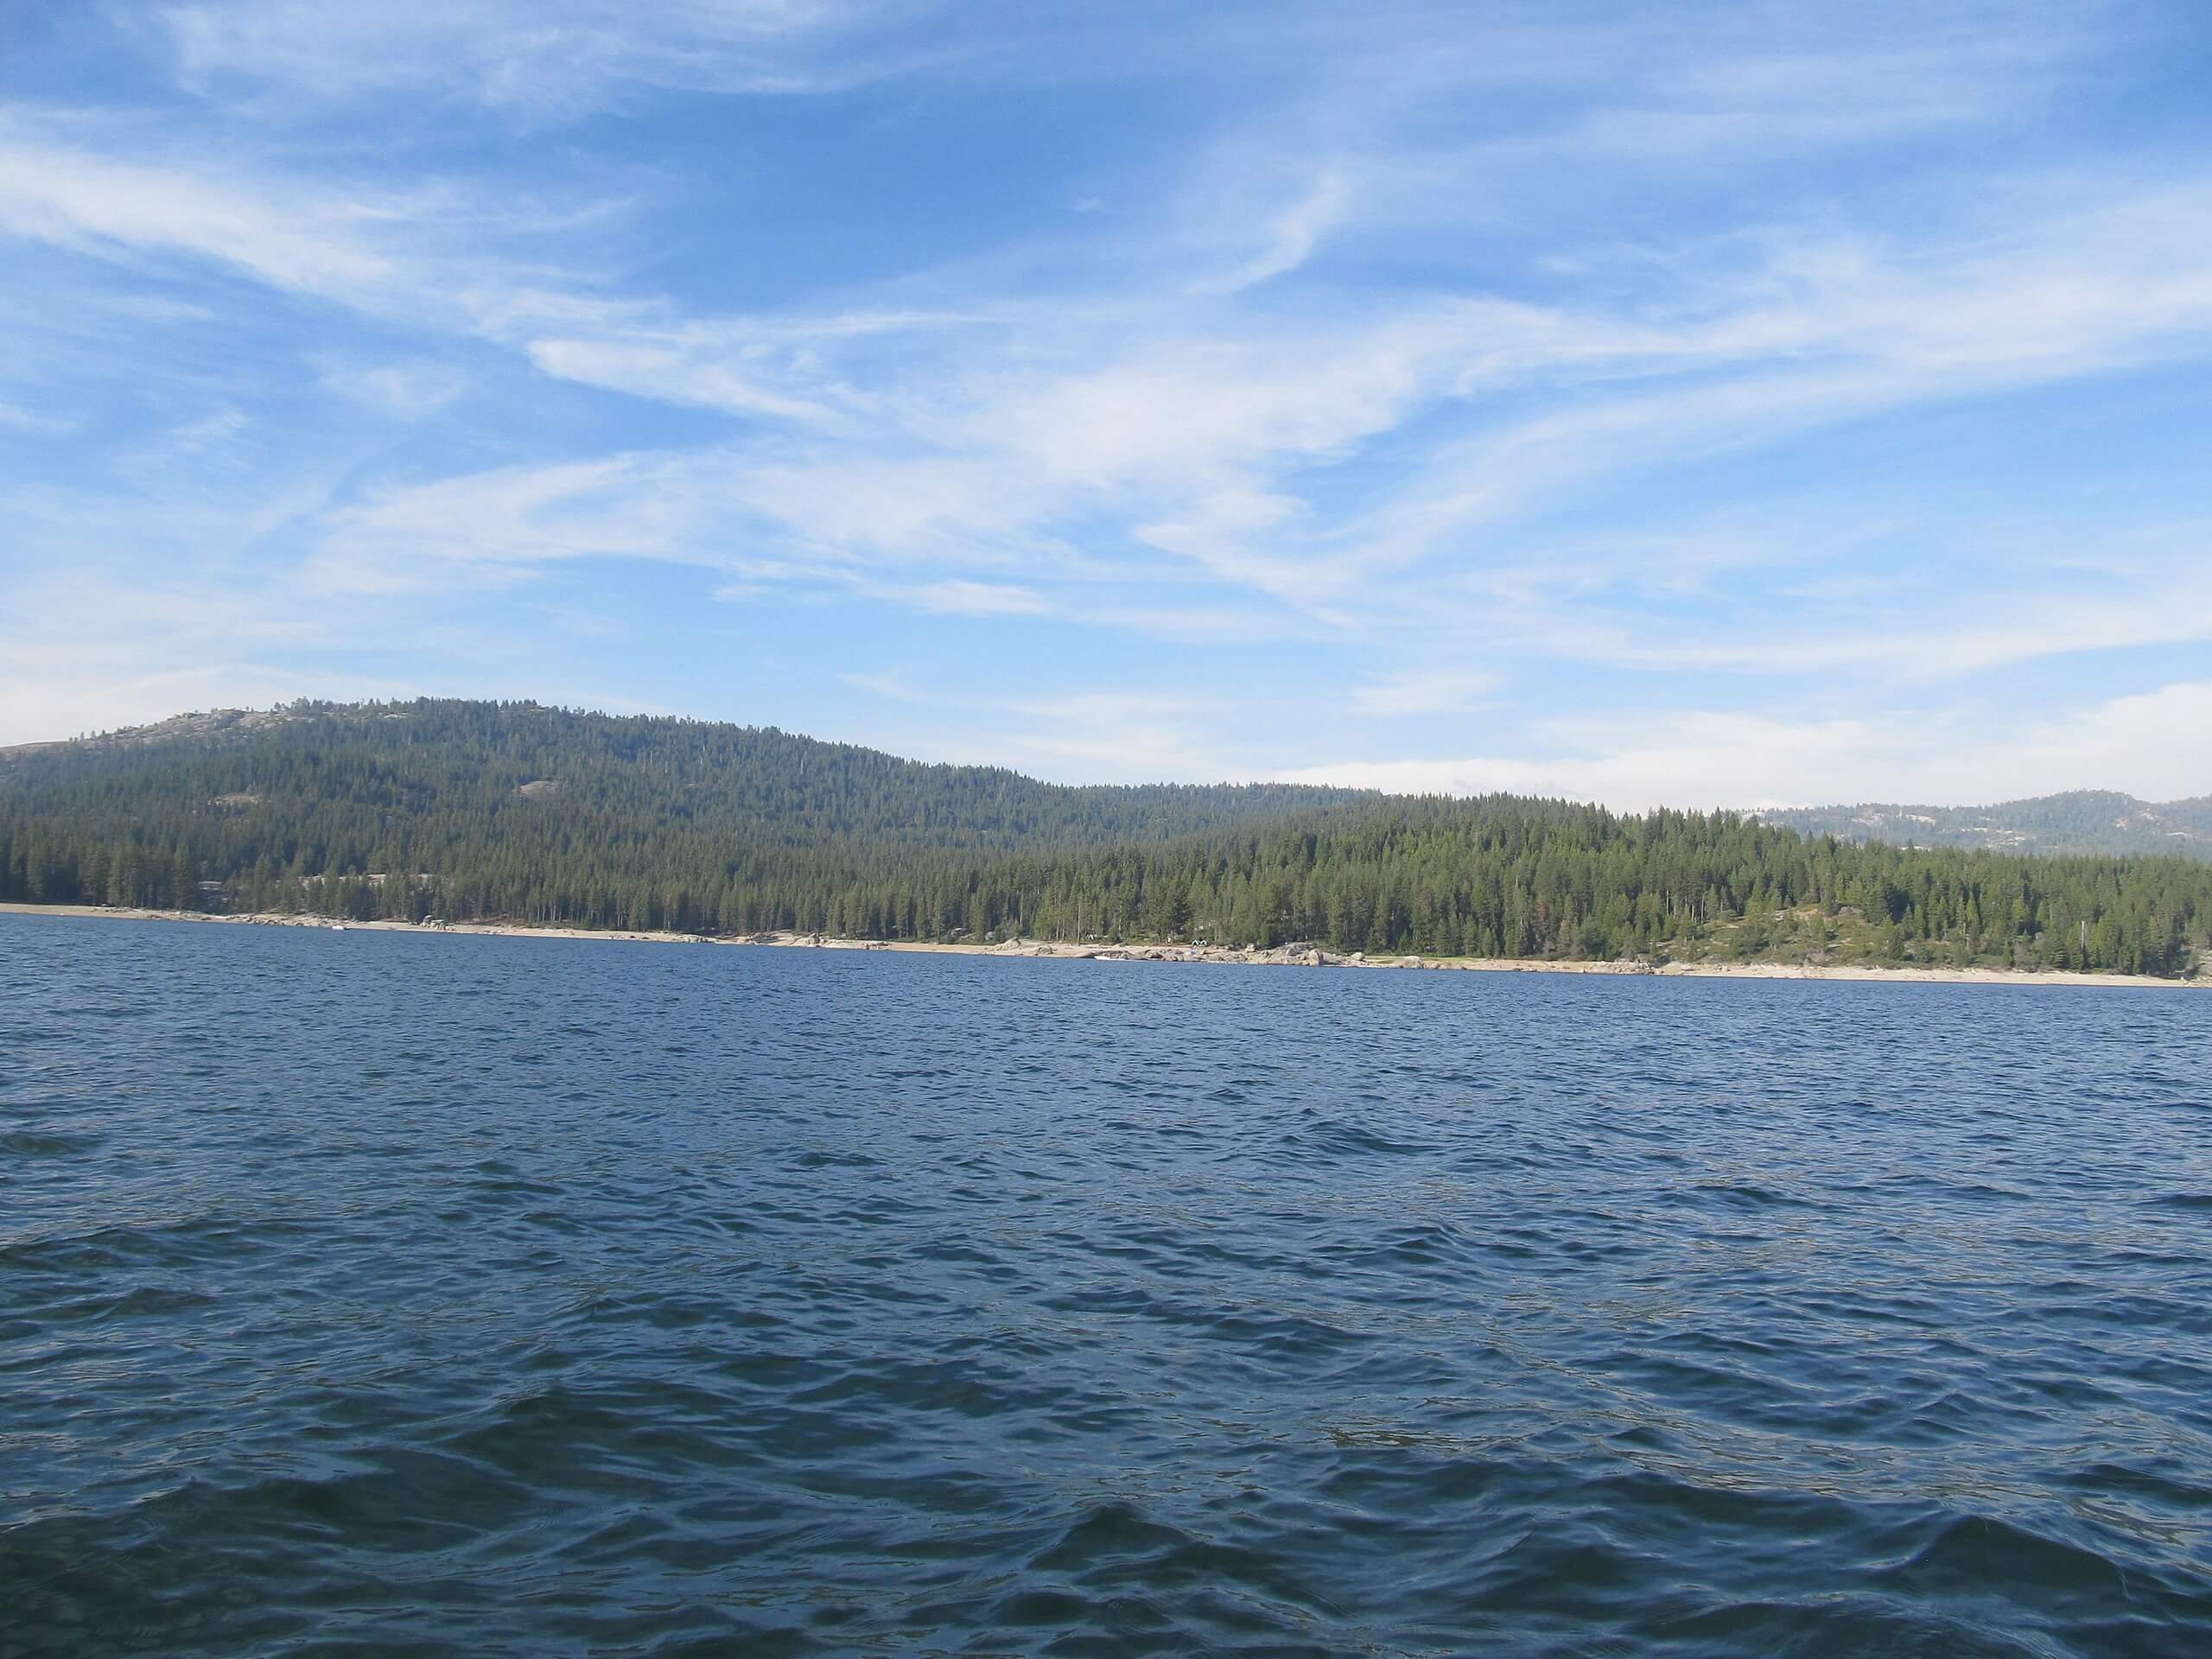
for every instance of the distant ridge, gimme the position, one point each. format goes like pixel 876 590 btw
pixel 458 811
pixel 2079 821
pixel 655 772
pixel 993 806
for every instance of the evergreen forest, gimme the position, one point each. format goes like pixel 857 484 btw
pixel 514 812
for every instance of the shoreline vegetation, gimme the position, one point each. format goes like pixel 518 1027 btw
pixel 1299 955
pixel 517 815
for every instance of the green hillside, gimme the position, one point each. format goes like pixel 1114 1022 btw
pixel 473 810
pixel 363 785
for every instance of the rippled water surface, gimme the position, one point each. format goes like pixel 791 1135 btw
pixel 370 1294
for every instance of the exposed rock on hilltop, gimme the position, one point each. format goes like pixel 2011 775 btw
pixel 2082 820
pixel 213 726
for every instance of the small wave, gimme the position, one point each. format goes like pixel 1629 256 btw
pixel 1341 1137
pixel 1981 1555
pixel 1156 1316
pixel 1751 1194
pixel 46 1143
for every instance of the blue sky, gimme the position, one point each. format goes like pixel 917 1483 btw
pixel 1726 403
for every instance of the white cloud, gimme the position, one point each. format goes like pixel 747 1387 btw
pixel 963 598
pixel 209 431
pixel 93 648
pixel 1116 736
pixel 1197 441
pixel 1415 337
pixel 673 370
pixel 1291 237
pixel 304 241
pixel 976 436
pixel 538 59
pixel 487 528
pixel 1432 692
pixel 16 418
pixel 2067 294
pixel 2157 745
pixel 411 391
pixel 892 686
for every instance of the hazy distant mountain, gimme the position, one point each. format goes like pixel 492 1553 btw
pixel 2080 821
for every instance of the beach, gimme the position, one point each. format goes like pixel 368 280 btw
pixel 1291 955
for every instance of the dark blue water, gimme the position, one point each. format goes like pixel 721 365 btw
pixel 363 1293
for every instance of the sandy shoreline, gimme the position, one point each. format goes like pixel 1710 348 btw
pixel 1287 956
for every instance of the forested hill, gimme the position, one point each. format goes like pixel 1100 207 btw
pixel 2082 820
pixel 348 786
pixel 467 810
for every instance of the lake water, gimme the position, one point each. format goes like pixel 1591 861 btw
pixel 368 1294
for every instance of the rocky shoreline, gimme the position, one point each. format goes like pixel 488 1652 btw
pixel 1302 954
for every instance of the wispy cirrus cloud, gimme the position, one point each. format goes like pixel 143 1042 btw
pixel 1292 236
pixel 14 417
pixel 1553 354
pixel 92 200
pixel 1429 692
pixel 1200 450
pixel 541 60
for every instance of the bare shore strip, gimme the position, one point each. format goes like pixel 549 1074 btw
pixel 1295 956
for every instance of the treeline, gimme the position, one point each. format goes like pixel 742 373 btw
pixel 363 785
pixel 481 811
